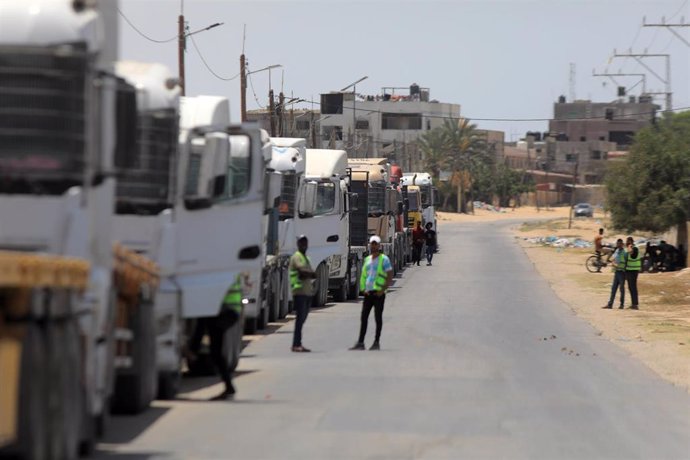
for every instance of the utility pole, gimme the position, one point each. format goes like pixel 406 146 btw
pixel 667 81
pixel 669 26
pixel 643 78
pixel 181 39
pixel 271 112
pixel 572 192
pixel 280 113
pixel 243 89
pixel 313 129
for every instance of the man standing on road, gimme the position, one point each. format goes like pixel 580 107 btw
pixel 301 276
pixel 417 243
pixel 430 240
pixel 618 274
pixel 377 275
pixel 633 265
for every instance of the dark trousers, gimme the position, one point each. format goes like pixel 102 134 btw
pixel 430 249
pixel 372 300
pixel 302 304
pixel 631 278
pixel 618 284
pixel 216 329
pixel 416 253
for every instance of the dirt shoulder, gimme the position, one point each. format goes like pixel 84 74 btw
pixel 658 334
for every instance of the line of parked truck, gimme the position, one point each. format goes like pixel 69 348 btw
pixel 126 213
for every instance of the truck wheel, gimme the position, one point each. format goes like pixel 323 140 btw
pixel 353 291
pixel 32 435
pixel 168 384
pixel 136 387
pixel 65 379
pixel 340 294
pixel 284 298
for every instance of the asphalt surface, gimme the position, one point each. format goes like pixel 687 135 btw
pixel 479 359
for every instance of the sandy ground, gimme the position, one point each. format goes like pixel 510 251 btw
pixel 658 334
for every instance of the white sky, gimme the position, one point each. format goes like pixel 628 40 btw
pixel 498 59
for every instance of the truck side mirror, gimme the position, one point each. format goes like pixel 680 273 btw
pixel 272 182
pixel 354 201
pixel 307 204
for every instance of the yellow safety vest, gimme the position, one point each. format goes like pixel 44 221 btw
pixel 295 281
pixel 233 298
pixel 634 264
pixel 381 275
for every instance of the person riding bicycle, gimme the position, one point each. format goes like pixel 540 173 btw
pixel 601 249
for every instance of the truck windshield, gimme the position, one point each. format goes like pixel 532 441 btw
pixel 377 198
pixel 288 195
pixel 42 121
pixel 413 199
pixel 427 195
pixel 145 187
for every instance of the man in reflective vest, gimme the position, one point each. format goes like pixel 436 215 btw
pixel 618 275
pixel 377 275
pixel 633 265
pixel 302 286
pixel 216 328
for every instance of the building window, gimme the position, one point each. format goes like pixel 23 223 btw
pixel 332 103
pixel 302 125
pixel 571 157
pixel 583 139
pixel 401 121
pixel 595 155
pixel 362 124
pixel 336 131
pixel 621 137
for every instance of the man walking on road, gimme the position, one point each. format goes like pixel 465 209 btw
pixel 216 327
pixel 618 275
pixel 377 275
pixel 301 276
pixel 417 243
pixel 430 240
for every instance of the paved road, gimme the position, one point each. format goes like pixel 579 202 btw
pixel 479 359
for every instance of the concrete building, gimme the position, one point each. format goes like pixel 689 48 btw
pixel 384 125
pixel 302 123
pixel 617 121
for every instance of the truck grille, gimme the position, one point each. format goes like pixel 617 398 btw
pixel 145 187
pixel 42 118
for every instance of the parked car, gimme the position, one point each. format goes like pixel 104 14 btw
pixel 583 210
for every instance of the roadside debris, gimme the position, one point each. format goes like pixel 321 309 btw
pixel 557 242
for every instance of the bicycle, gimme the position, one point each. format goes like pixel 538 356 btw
pixel 594 263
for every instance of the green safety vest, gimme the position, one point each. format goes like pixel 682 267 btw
pixel 634 264
pixel 381 275
pixel 295 281
pixel 233 298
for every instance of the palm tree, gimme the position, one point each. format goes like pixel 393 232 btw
pixel 464 147
pixel 433 146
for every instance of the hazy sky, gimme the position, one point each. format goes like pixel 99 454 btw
pixel 498 59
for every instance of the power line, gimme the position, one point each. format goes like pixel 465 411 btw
pixel 448 117
pixel 198 51
pixel 142 33
pixel 251 84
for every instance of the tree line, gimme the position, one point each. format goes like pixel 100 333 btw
pixel 461 150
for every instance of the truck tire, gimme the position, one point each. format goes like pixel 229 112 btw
pixel 284 296
pixel 135 389
pixel 321 286
pixel 341 292
pixel 32 434
pixel 353 291
pixel 63 391
pixel 168 384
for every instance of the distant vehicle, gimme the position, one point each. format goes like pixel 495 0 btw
pixel 583 210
